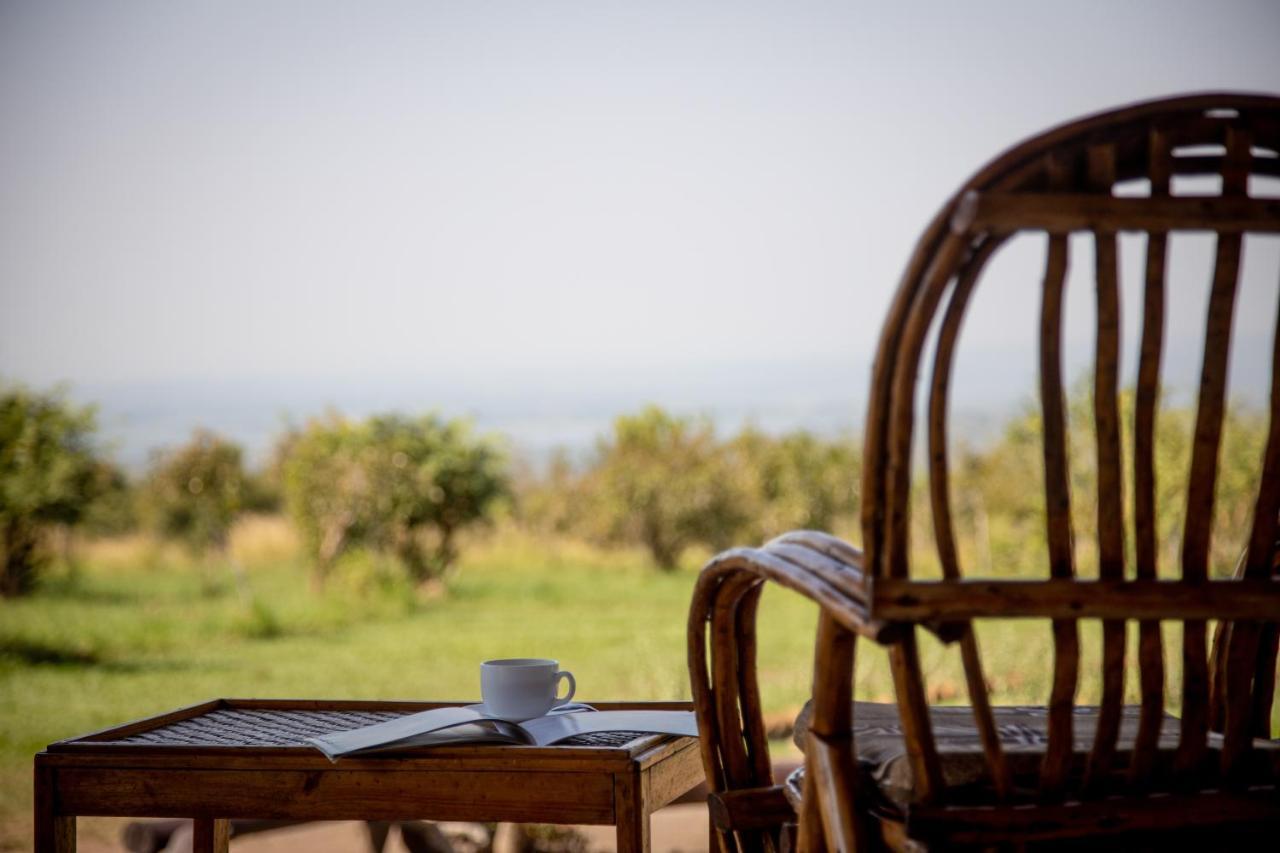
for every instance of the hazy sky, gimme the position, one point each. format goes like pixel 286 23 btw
pixel 533 194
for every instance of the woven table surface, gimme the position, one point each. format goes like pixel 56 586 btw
pixel 242 727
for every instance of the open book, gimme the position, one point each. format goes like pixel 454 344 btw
pixel 470 724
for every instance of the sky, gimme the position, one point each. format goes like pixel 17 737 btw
pixel 541 214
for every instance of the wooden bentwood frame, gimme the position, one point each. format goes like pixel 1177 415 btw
pixel 1056 183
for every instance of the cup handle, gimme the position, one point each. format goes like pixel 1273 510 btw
pixel 573 686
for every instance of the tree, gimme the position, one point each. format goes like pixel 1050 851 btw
pixel 405 486
pixel 666 483
pixel 112 510
pixel 193 493
pixel 49 475
pixel 797 480
pixel 432 480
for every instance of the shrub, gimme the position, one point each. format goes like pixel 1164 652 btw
pixel 112 509
pixel 399 485
pixel 50 473
pixel 193 493
pixel 797 481
pixel 667 483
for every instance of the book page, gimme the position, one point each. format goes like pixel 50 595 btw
pixel 545 731
pixel 393 732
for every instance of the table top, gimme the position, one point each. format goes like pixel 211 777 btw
pixel 274 731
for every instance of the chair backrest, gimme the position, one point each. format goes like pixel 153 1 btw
pixel 1058 183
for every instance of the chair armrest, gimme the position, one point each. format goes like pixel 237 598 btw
pixel 722 660
pixel 817 565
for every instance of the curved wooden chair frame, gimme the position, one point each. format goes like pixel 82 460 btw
pixel 1058 183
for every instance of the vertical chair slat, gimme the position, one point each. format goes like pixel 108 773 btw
pixel 939 468
pixel 1202 481
pixel 759 772
pixel 1246 638
pixel 1218 659
pixel 1261 557
pixel 898 520
pixel 749 688
pixel 976 684
pixel 1264 684
pixel 875 472
pixel 1264 688
pixel 726 664
pixel 1066 642
pixel 940 496
pixel 904 659
pixel 1110 499
pixel 913 711
pixel 703 694
pixel 1150 644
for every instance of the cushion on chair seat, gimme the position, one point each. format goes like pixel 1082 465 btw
pixel 1023 732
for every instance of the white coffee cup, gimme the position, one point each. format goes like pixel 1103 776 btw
pixel 521 688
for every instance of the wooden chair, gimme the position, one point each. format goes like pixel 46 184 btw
pixel 1111 770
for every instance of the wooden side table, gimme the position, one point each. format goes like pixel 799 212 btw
pixel 244 758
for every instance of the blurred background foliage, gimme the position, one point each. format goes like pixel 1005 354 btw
pixel 399 486
pixel 50 473
pixel 383 557
pixel 403 489
pixel 193 493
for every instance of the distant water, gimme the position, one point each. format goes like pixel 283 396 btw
pixel 538 412
pixel 534 413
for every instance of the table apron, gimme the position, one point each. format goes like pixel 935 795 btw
pixel 670 778
pixel 527 796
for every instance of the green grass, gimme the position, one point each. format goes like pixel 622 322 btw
pixel 135 632
pixel 121 639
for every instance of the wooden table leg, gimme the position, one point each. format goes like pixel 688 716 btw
pixel 210 835
pixel 54 833
pixel 631 811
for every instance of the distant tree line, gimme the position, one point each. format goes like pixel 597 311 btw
pixel 401 486
pixel 408 487
pixel 667 483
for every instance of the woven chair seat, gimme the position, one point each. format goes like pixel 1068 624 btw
pixel 1023 731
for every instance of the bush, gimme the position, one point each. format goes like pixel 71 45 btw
pixel 797 481
pixel 113 508
pixel 667 483
pixel 326 492
pixel 193 493
pixel 404 486
pixel 50 474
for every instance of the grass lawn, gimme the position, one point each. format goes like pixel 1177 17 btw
pixel 133 632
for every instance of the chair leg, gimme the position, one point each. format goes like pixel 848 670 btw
pixel 810 837
pixel 424 837
pixel 378 831
pixel 210 835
